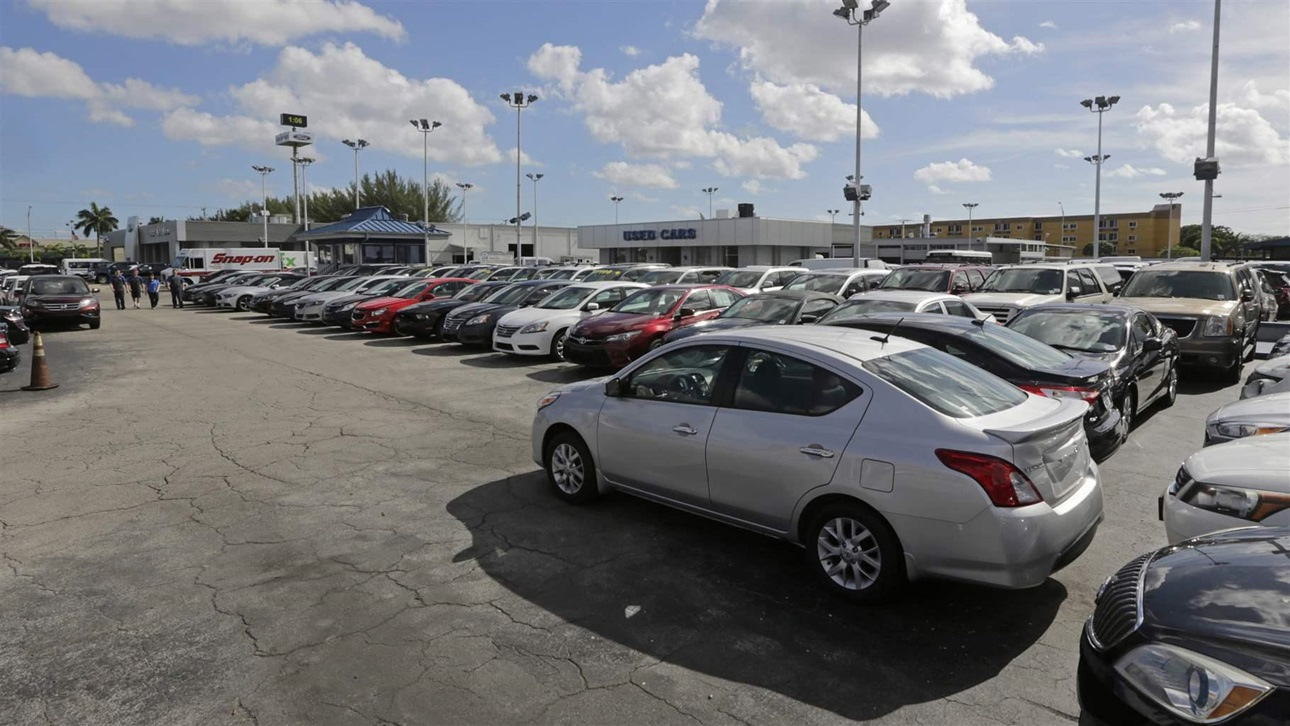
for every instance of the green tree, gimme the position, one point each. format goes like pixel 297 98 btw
pixel 400 195
pixel 97 221
pixel 1185 252
pixel 1223 241
pixel 8 240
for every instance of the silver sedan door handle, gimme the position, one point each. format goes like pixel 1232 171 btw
pixel 816 450
pixel 685 429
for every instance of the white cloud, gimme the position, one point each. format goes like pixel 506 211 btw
pixel 1278 100
pixel 1048 24
pixel 663 111
pixel 962 170
pixel 28 72
pixel 1061 166
pixel 925 47
pixel 630 51
pixel 1131 172
pixel 808 112
pixel 752 186
pixel 1185 26
pixel 1243 136
pixel 194 22
pixel 525 159
pixel 937 190
pixel 620 173
pixel 1069 153
pixel 378 111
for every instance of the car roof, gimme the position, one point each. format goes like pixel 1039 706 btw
pixel 829 339
pixel 1045 266
pixel 927 321
pixel 846 271
pixel 604 284
pixel 798 294
pixel 914 296
pixel 1195 265
pixel 1088 307
pixel 691 286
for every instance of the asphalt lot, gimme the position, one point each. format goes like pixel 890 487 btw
pixel 224 519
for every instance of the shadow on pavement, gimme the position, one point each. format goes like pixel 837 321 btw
pixel 388 342
pixel 312 330
pixel 739 606
pixel 348 335
pixel 446 350
pixel 566 374
pixel 499 360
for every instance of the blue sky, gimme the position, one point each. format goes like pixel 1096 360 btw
pixel 160 108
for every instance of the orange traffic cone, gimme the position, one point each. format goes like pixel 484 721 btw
pixel 40 380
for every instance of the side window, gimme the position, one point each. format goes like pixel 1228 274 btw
pixel 958 307
pixel 710 276
pixel 538 295
pixel 686 375
pixel 723 298
pixel 1084 279
pixel 973 355
pixel 858 285
pixel 779 384
pixel 698 301
pixel 784 277
pixel 818 307
pixel 933 308
pixel 976 277
pixel 1111 278
pixel 1139 331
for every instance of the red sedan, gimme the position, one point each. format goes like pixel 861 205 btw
pixel 377 316
pixel 637 324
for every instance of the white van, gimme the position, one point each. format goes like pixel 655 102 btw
pixel 830 263
pixel 966 257
pixel 82 266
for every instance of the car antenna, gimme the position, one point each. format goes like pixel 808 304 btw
pixel 887 337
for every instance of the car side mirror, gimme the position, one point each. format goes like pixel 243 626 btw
pixel 684 313
pixel 94 290
pixel 591 307
pixel 808 318
pixel 1247 295
pixel 614 388
pixel 1073 292
pixel 960 289
pixel 1151 345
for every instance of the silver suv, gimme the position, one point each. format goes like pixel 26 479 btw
pixel 1008 290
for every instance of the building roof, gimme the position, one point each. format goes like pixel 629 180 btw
pixel 373 222
pixel 1268 244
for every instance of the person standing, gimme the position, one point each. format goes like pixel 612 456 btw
pixel 154 290
pixel 118 289
pixel 176 291
pixel 136 287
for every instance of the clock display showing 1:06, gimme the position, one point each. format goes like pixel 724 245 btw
pixel 294 119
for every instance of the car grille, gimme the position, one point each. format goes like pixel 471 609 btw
pixel 451 324
pixel 357 315
pixel 1001 314
pixel 506 331
pixel 1119 612
pixel 62 306
pixel 1182 326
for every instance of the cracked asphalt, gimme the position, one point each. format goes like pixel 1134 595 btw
pixel 223 519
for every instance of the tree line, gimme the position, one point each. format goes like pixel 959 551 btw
pixel 402 196
pixel 1224 242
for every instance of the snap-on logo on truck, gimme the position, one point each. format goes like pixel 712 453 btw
pixel 224 259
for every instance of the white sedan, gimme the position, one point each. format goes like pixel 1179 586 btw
pixel 540 330
pixel 309 308
pixel 906 301
pixel 1238 484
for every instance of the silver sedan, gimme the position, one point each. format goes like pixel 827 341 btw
pixel 886 460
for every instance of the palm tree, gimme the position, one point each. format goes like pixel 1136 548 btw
pixel 97 221
pixel 8 240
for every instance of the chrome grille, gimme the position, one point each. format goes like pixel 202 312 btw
pixel 451 324
pixel 1001 314
pixel 506 331
pixel 1182 326
pixel 62 306
pixel 1119 610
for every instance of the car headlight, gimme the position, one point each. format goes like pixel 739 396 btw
pixel 620 337
pixel 421 316
pixel 378 311
pixel 1180 482
pixel 1217 327
pixel 1249 504
pixel 350 306
pixel 1189 685
pixel 479 319
pixel 1241 430
pixel 89 302
pixel 534 327
pixel 548 399
pixel 33 304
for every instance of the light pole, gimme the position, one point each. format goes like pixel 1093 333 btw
pixel 304 162
pixel 1099 106
pixel 265 171
pixel 1207 168
pixel 1169 233
pixel 535 179
pixel 426 128
pixel 518 101
pixel 1063 237
pixel 615 199
pixel 709 191
pixel 465 220
pixel 31 243
pixel 970 206
pixel 850 12
pixel 833 215
pixel 357 146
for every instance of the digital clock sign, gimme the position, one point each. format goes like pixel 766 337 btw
pixel 294 120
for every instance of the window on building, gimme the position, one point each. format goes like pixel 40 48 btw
pixel 1039 237
pixel 1132 251
pixel 1133 225
pixel 526 249
pixel 1001 226
pixel 1109 223
pixel 1039 226
pixel 1133 238
pixel 1109 236
pixel 730 256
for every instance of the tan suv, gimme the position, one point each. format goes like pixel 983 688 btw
pixel 1009 290
pixel 1211 305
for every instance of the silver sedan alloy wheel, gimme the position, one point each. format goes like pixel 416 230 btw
pixel 567 468
pixel 849 553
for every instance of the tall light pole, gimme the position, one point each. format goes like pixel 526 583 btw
pixel 1099 106
pixel 615 199
pixel 304 162
pixel 833 215
pixel 1207 168
pixel 265 171
pixel 535 178
pixel 850 12
pixel 1063 208
pixel 1169 232
pixel 31 243
pixel 426 128
pixel 465 220
pixel 709 191
pixel 518 101
pixel 357 146
pixel 970 206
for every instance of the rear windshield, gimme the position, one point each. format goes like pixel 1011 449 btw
pixel 58 286
pixel 1195 284
pixel 913 279
pixel 635 274
pixel 1082 330
pixel 866 306
pixel 1020 279
pixel 603 275
pixel 511 295
pixel 740 278
pixel 818 282
pixel 766 309
pixel 1017 348
pixel 946 384
pixel 660 277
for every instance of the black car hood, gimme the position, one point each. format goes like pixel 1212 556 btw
pixel 1225 594
pixel 433 306
pixel 1116 359
pixel 1080 371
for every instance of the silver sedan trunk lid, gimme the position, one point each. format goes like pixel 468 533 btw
pixel 1051 450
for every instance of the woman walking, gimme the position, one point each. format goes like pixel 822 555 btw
pixel 154 290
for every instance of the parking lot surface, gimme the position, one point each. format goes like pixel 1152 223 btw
pixel 225 519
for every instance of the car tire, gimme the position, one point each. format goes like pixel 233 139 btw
pixel 657 343
pixel 1171 386
pixel 1232 374
pixel 243 303
pixel 94 324
pixel 570 470
pixel 557 344
pixel 397 328
pixel 1129 411
pixel 854 553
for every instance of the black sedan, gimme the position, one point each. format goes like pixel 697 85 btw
pixel 1142 353
pixel 193 293
pixel 1192 633
pixel 284 306
pixel 782 307
pixel 10 356
pixel 473 325
pixel 1033 366
pixel 425 320
pixel 263 300
pixel 18 332
pixel 340 310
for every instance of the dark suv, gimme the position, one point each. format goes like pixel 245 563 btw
pixel 950 279
pixel 59 299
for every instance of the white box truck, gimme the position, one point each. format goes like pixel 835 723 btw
pixel 198 262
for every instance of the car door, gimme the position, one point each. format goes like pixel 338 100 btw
pixel 782 435
pixel 813 310
pixel 1149 365
pixel 697 306
pixel 1091 290
pixel 653 438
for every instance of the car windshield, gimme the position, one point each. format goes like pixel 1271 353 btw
pixel 866 306
pixel 1196 284
pixel 1022 350
pixel 818 282
pixel 355 284
pixel 478 291
pixel 59 286
pixel 511 295
pixel 567 299
pixel 915 279
pixel 660 277
pixel 765 309
pixel 603 275
pixel 740 278
pixel 1020 279
pixel 1082 330
pixel 389 287
pixel 649 302
pixel 946 384
pixel 635 274
pixel 565 274
pixel 408 292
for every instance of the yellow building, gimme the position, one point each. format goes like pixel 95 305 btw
pixel 1146 234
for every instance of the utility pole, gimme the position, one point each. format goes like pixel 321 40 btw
pixel 709 191
pixel 970 206
pixel 265 171
pixel 1210 171
pixel 357 146
pixel 1172 197
pixel 518 101
pixel 535 178
pixel 1099 106
pixel 615 199
pixel 465 221
pixel 851 12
